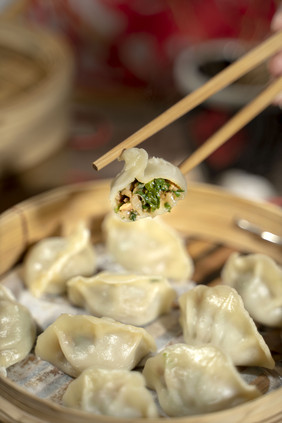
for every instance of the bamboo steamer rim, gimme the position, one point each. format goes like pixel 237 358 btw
pixel 23 407
pixel 47 49
pixel 208 210
pixel 40 216
pixel 35 107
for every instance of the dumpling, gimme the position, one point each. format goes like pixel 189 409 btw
pixel 52 261
pixel 149 246
pixel 128 298
pixel 17 330
pixel 118 393
pixel 191 380
pixel 145 187
pixel 258 280
pixel 74 343
pixel 216 315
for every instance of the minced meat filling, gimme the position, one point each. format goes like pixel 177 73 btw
pixel 138 198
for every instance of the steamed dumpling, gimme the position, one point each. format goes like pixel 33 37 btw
pixel 216 315
pixel 128 298
pixel 118 393
pixel 145 187
pixel 74 343
pixel 148 246
pixel 17 330
pixel 52 261
pixel 192 380
pixel 258 280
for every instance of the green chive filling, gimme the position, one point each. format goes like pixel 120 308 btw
pixel 132 216
pixel 150 195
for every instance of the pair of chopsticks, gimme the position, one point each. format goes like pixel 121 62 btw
pixel 230 74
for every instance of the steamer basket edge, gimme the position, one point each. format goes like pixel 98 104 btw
pixel 22 407
pixel 207 211
pixel 21 107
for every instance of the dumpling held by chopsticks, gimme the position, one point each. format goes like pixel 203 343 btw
pixel 145 187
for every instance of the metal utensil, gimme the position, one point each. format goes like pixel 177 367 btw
pixel 256 230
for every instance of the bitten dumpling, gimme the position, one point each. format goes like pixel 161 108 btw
pixel 216 315
pixel 17 330
pixel 128 298
pixel 74 343
pixel 52 261
pixel 192 380
pixel 149 246
pixel 117 393
pixel 258 280
pixel 145 187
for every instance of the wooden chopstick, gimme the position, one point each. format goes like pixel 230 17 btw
pixel 233 125
pixel 230 74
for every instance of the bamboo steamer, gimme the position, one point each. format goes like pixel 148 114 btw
pixel 36 74
pixel 205 217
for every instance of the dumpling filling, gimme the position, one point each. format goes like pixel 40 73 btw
pixel 138 198
pixel 145 187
